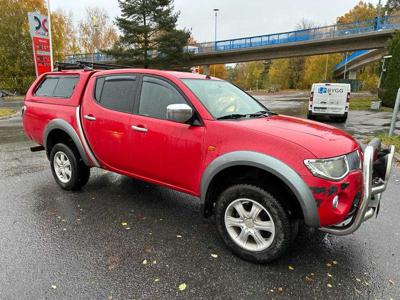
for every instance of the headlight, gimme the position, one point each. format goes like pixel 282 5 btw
pixel 331 168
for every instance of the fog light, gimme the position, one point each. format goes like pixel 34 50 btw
pixel 335 201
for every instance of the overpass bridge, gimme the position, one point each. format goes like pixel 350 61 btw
pixel 357 60
pixel 365 35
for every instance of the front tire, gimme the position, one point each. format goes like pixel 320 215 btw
pixel 253 223
pixel 67 167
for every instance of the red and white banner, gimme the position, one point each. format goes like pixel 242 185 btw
pixel 38 26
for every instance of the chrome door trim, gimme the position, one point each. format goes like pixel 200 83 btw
pixel 83 138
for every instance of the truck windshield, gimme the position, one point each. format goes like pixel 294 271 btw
pixel 224 100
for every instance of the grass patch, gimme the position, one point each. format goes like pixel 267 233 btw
pixel 6 112
pixel 13 98
pixel 364 103
pixel 391 140
pixel 386 140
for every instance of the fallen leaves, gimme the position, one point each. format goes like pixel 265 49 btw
pixel 309 279
pixel 182 287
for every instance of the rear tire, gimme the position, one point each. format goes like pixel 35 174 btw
pixel 253 223
pixel 67 167
pixel 342 119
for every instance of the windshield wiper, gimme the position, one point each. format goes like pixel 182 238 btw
pixel 232 116
pixel 260 113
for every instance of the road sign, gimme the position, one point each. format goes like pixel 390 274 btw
pixel 38 27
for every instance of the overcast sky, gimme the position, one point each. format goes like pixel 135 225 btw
pixel 236 18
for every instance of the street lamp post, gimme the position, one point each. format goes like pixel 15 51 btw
pixel 383 70
pixel 216 10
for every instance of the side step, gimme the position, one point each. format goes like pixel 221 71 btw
pixel 37 148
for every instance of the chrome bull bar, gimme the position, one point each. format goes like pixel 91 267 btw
pixel 369 203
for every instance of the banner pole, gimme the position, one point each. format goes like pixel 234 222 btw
pixel 50 41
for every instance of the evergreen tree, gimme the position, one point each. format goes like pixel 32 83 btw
pixel 391 80
pixel 149 34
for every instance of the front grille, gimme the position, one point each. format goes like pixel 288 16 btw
pixel 353 160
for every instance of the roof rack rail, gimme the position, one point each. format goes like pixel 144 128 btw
pixel 85 65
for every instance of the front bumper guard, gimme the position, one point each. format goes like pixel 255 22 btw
pixel 373 190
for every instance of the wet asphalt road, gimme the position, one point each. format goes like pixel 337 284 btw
pixel 56 244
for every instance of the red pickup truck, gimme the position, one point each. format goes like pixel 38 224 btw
pixel 257 172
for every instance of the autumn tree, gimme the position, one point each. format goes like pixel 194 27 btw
pixel 218 70
pixel 319 68
pixel 149 34
pixel 63 33
pixel 361 12
pixel 249 75
pixel 279 74
pixel 16 56
pixel 369 77
pixel 96 32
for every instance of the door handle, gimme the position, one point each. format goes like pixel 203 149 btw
pixel 139 128
pixel 90 117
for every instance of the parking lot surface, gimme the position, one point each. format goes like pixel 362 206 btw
pixel 120 238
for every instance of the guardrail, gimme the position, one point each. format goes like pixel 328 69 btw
pixel 319 33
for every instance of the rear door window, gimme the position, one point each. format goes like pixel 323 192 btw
pixel 57 87
pixel 116 92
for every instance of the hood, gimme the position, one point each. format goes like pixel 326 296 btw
pixel 322 140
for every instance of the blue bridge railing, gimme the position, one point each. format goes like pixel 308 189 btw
pixel 319 33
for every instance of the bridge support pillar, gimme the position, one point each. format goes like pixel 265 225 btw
pixel 206 70
pixel 353 75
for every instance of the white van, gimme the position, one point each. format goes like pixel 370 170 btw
pixel 329 99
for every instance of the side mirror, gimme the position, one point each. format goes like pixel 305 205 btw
pixel 180 113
